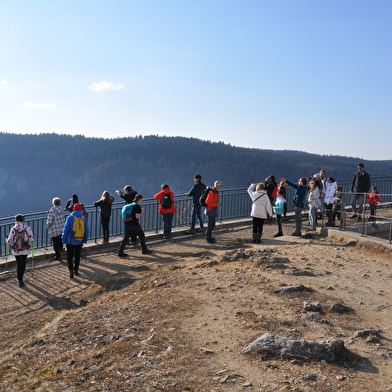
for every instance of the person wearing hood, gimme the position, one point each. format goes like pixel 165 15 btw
pixel 74 245
pixel 261 208
pixel 20 239
pixel 54 225
pixel 166 208
pixel 71 202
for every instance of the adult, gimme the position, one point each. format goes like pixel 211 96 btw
pixel 299 202
pixel 71 202
pixel 196 192
pixel 105 204
pixel 329 196
pixel 131 213
pixel 74 244
pixel 55 225
pixel 212 203
pixel 166 209
pixel 128 196
pixel 270 186
pixel 360 186
pixel 314 202
pixel 261 208
pixel 20 239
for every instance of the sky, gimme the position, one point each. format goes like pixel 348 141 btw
pixel 305 75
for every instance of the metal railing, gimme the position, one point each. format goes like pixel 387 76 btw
pixel 236 204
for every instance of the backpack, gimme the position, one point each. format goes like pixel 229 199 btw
pixel 203 197
pixel 78 228
pixel 21 240
pixel 166 201
pixel 274 192
pixel 126 212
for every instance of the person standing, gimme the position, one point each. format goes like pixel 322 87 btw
pixel 314 202
pixel 55 225
pixel 359 186
pixel 131 213
pixel 373 200
pixel 74 239
pixel 279 211
pixel 20 239
pixel 329 195
pixel 128 196
pixel 261 208
pixel 105 203
pixel 271 188
pixel 166 208
pixel 212 203
pixel 299 202
pixel 196 192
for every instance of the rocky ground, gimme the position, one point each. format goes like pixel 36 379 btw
pixel 179 320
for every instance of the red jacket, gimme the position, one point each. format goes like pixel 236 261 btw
pixel 373 198
pixel 159 196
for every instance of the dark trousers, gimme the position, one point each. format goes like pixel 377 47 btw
pixel 129 231
pixel 105 226
pixel 20 266
pixel 196 213
pixel 167 223
pixel 210 226
pixel 279 222
pixel 328 212
pixel 73 256
pixel 57 245
pixel 258 224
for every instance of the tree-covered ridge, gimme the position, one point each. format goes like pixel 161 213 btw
pixel 35 168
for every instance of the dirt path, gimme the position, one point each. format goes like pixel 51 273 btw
pixel 189 310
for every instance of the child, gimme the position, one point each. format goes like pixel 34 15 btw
pixel 278 210
pixel 20 239
pixel 337 206
pixel 373 200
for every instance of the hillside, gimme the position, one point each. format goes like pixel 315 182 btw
pixel 178 320
pixel 36 168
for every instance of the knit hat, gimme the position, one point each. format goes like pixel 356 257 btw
pixel 77 207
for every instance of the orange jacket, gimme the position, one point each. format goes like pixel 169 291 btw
pixel 159 196
pixel 212 199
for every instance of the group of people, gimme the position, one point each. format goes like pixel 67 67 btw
pixel 267 199
pixel 323 193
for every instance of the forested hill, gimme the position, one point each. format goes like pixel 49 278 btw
pixel 35 168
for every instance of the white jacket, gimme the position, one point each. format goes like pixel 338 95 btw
pixel 329 190
pixel 261 204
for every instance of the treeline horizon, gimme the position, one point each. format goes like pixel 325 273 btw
pixel 36 168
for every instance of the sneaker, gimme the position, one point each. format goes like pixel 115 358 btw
pixel 76 273
pixel 202 230
pixel 190 231
pixel 21 283
pixel 280 234
pixel 71 275
pixel 211 240
pixel 122 255
pixel 296 234
pixel 353 216
pixel 147 251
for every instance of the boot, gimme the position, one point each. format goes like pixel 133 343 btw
pixel 278 234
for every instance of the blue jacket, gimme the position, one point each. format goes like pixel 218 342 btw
pixel 300 193
pixel 67 237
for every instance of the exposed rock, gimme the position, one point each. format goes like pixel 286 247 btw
pixel 295 287
pixel 312 307
pixel 365 333
pixel 289 348
pixel 276 266
pixel 339 308
pixel 299 272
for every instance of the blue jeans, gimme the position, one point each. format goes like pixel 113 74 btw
pixel 196 212
pixel 167 223
pixel 312 218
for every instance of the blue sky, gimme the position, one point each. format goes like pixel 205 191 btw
pixel 312 75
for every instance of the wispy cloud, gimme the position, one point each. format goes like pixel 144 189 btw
pixel 30 105
pixel 4 82
pixel 105 86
